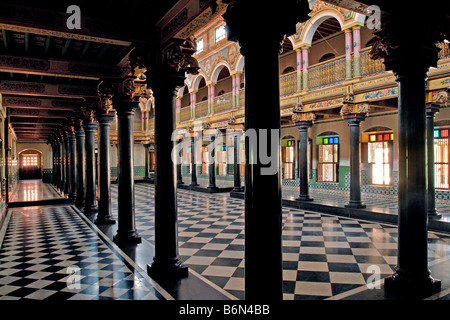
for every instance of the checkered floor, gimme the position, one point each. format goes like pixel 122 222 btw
pixel 55 253
pixel 323 255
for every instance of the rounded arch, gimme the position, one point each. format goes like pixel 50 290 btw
pixel 30 149
pixel 378 128
pixel 196 83
pixel 328 133
pixel 288 136
pixel 217 69
pixel 181 91
pixel 240 64
pixel 312 24
pixel 327 56
pixel 288 69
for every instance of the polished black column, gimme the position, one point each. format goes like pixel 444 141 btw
pixel 431 110
pixel 61 163
pixel 72 166
pixel 179 163
pixel 90 204
pixel 354 121
pixel 66 165
pixel 237 164
pixel 194 165
pixel 212 165
pixel 166 262
pixel 126 231
pixel 81 165
pixel 410 63
pixel 303 127
pixel 147 162
pixel 104 215
pixel 263 250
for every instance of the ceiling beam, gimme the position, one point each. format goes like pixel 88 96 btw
pixel 59 68
pixel 46 90
pixel 24 102
pixel 51 23
pixel 39 113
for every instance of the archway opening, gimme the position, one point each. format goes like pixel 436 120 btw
pixel 30 165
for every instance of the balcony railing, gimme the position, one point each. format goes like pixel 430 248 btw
pixel 288 83
pixel 368 65
pixel 325 73
pixel 201 109
pixel 223 102
pixel 185 113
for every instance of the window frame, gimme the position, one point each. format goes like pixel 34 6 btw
pixel 221 37
pixel 335 162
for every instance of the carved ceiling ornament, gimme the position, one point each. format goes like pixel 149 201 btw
pixel 106 92
pixel 303 116
pixel 442 97
pixel 179 55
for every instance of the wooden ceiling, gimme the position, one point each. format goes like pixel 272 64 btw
pixel 47 70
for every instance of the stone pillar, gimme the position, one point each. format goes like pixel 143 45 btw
pixel 411 57
pixel 179 163
pixel 194 164
pixel 348 53
pixel 165 81
pixel 305 61
pixel 72 165
pixel 238 88
pixel 354 121
pixel 237 163
pixel 193 102
pixel 147 161
pixel 211 94
pixel 431 110
pixel 212 165
pixel 66 164
pixel 356 49
pixel 126 231
pixel 299 69
pixel 104 215
pixel 81 164
pixel 90 202
pixel 262 179
pixel 303 127
pixel 62 161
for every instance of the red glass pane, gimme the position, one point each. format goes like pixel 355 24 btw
pixel 444 133
pixel 379 137
pixel 386 136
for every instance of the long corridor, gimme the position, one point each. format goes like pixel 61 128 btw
pixel 56 252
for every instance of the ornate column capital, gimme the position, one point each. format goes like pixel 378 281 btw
pixel 283 20
pixel 406 52
pixel 303 119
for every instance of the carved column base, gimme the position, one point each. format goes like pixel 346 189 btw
pixel 355 205
pixel 433 214
pixel 304 198
pixel 168 269
pixel 405 283
pixel 127 237
pixel 105 220
pixel 90 209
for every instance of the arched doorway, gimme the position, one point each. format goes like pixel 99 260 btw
pixel 30 164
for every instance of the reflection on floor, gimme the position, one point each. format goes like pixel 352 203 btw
pixel 324 256
pixel 32 190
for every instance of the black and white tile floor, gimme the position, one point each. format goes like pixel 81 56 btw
pixel 324 256
pixel 56 253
